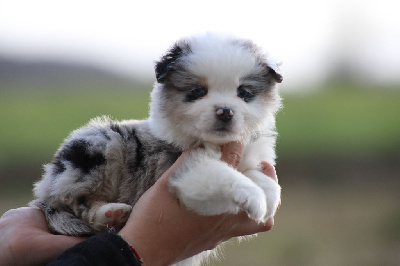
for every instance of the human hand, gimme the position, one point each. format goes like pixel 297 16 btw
pixel 164 231
pixel 26 240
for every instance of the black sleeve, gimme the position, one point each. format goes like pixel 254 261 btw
pixel 102 249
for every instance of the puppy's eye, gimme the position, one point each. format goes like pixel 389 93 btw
pixel 196 93
pixel 245 93
pixel 199 91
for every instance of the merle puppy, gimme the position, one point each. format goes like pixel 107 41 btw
pixel 210 90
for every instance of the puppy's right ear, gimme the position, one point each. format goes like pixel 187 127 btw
pixel 166 65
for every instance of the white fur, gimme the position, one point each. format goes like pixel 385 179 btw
pixel 210 187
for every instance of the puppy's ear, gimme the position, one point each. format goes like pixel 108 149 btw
pixel 272 69
pixel 167 62
pixel 276 75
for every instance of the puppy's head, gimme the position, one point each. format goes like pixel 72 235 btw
pixel 213 88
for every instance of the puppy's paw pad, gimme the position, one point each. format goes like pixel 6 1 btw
pixel 253 202
pixel 113 214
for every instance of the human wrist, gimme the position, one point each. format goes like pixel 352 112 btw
pixel 134 251
pixel 147 250
pixel 150 246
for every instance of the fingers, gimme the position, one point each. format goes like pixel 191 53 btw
pixel 269 170
pixel 244 226
pixel 231 153
pixel 251 227
pixel 24 231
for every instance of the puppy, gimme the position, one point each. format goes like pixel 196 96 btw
pixel 210 90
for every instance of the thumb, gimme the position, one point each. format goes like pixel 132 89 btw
pixel 232 153
pixel 268 170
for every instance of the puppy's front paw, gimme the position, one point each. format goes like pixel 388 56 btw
pixel 271 189
pixel 253 201
pixel 273 194
pixel 111 214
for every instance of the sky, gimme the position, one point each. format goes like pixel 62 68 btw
pixel 309 37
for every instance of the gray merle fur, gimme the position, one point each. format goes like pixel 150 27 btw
pixel 119 158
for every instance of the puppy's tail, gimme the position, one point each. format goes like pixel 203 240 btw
pixel 63 222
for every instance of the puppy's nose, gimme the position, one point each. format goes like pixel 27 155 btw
pixel 224 114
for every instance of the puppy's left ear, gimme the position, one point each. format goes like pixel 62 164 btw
pixel 166 65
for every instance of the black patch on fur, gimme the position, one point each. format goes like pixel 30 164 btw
pixel 139 155
pixel 77 153
pixel 139 151
pixel 116 128
pixel 82 203
pixel 58 167
pixel 81 200
pixel 167 62
pixel 134 162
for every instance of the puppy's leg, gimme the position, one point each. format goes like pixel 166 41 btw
pixel 271 189
pixel 63 222
pixel 103 215
pixel 209 186
pixel 255 152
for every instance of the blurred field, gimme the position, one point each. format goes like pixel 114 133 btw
pixel 347 121
pixel 338 165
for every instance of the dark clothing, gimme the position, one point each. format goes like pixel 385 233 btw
pixel 103 249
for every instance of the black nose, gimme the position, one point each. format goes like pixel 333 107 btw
pixel 224 114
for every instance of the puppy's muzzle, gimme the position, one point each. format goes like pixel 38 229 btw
pixel 224 114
